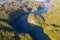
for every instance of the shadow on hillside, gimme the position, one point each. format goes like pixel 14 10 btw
pixel 37 32
pixel 4 31
pixel 5 20
pixel 13 16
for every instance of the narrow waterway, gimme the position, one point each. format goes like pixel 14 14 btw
pixel 44 10
pixel 37 32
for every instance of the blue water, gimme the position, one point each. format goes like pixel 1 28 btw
pixel 37 32
pixel 47 6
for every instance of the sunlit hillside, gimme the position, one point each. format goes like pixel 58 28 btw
pixel 52 21
pixel 9 12
pixel 18 20
pixel 55 3
pixel 52 18
pixel 36 19
pixel 49 21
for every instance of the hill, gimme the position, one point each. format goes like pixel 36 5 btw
pixel 10 12
pixel 50 20
pixel 9 33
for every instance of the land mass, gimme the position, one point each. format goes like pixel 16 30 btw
pixel 50 21
pixel 9 13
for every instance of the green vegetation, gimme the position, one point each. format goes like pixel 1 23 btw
pixel 3 15
pixel 52 18
pixel 36 19
pixel 51 21
pixel 11 34
pixel 25 36
pixel 5 24
pixel 6 10
pixel 7 32
pixel 11 11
